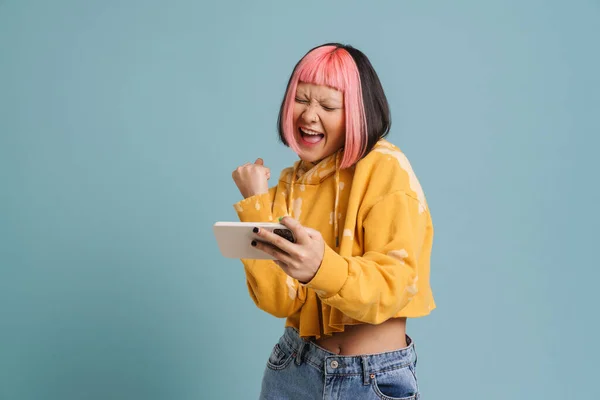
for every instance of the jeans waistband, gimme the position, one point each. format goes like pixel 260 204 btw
pixel 335 364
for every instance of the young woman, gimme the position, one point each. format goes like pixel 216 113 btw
pixel 359 266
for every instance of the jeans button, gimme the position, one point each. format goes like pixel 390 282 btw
pixel 334 364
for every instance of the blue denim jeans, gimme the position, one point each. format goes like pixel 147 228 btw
pixel 299 369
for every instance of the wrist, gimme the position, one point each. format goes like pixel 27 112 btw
pixel 248 194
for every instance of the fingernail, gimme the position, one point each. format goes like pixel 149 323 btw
pixel 280 218
pixel 255 230
pixel 253 243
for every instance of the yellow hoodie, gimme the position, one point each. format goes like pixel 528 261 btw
pixel 375 269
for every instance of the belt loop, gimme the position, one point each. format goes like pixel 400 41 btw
pixel 298 360
pixel 409 341
pixel 365 368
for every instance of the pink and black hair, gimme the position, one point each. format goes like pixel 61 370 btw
pixel 366 109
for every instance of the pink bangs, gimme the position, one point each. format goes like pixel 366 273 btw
pixel 334 67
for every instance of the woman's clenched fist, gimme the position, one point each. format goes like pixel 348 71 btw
pixel 251 179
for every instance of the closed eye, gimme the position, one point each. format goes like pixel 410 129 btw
pixel 301 101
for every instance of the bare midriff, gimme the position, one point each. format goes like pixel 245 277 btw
pixel 366 339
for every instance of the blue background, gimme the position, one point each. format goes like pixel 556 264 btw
pixel 120 124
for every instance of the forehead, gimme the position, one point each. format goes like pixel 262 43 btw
pixel 321 92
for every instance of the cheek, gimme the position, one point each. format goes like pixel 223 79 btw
pixel 335 126
pixel 296 113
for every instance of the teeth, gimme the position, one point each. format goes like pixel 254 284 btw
pixel 312 133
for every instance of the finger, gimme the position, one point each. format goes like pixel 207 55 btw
pixel 281 264
pixel 299 231
pixel 259 161
pixel 273 251
pixel 241 168
pixel 276 240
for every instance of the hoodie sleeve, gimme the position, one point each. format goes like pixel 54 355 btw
pixel 271 289
pixel 374 287
pixel 257 208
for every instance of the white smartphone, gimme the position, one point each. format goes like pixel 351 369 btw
pixel 234 238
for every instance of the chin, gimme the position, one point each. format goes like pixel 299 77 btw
pixel 309 158
pixel 307 154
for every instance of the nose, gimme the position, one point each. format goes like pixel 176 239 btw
pixel 310 114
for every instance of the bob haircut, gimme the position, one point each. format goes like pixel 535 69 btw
pixel 366 110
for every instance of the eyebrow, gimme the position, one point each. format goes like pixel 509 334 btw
pixel 328 100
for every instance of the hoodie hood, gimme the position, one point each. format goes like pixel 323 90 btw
pixel 307 173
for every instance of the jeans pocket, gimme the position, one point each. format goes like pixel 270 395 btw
pixel 397 384
pixel 279 358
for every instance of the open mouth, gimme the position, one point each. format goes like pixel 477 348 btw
pixel 310 137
